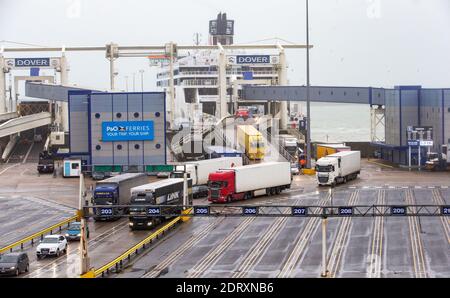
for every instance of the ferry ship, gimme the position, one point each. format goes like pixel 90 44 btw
pixel 196 75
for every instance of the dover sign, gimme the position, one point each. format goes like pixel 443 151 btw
pixel 32 62
pixel 127 131
pixel 253 59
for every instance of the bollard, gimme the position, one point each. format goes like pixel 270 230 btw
pixel 21 245
pixel 129 258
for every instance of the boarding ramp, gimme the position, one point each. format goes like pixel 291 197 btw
pixel 16 125
pixel 355 95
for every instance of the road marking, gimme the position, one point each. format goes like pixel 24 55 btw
pixel 208 260
pixel 438 199
pixel 341 239
pixel 420 269
pixel 259 247
pixel 28 153
pixel 179 252
pixel 14 165
pixel 301 242
pixel 377 241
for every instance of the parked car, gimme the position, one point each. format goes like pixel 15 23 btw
pixel 242 113
pixel 294 169
pixel 74 231
pixel 14 263
pixel 199 191
pixel 51 245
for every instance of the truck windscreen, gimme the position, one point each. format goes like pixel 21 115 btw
pixel 105 194
pixel 328 168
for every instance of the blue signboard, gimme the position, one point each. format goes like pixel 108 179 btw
pixel 446 210
pixel 345 211
pixel 253 59
pixel 32 62
pixel 299 211
pixel 413 143
pixel 247 75
pixel 154 211
pixel 127 131
pixel 34 71
pixel 201 210
pixel 398 210
pixel 250 210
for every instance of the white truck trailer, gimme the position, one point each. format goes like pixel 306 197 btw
pixel 338 168
pixel 249 181
pixel 200 170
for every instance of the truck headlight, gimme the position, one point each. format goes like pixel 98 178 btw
pixel 131 224
pixel 67 235
pixel 149 223
pixel 79 235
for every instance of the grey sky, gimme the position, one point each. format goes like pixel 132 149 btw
pixel 356 42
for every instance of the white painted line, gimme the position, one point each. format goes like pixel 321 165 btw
pixel 444 186
pixel 430 187
pixel 352 187
pixel 417 186
pixel 28 153
pixel 391 187
pixel 365 187
pixel 14 165
pixel 405 187
pixel 378 187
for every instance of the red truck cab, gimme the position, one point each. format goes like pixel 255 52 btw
pixel 222 187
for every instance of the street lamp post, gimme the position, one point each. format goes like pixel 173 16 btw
pixel 308 111
pixel 141 71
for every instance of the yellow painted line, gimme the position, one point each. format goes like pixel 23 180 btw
pixel 381 164
pixel 130 251
pixel 38 234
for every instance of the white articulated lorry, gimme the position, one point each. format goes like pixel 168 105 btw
pixel 200 170
pixel 245 182
pixel 338 168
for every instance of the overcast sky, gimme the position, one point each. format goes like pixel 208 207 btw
pixel 378 43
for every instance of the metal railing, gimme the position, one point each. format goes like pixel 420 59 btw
pixel 39 234
pixel 283 152
pixel 117 263
pixel 225 210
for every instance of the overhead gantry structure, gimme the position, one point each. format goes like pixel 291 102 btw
pixel 114 51
pixel 374 97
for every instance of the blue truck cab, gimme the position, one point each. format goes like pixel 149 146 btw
pixel 113 192
pixel 105 194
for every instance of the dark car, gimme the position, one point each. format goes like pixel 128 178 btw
pixel 199 191
pixel 46 163
pixel 74 231
pixel 14 263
